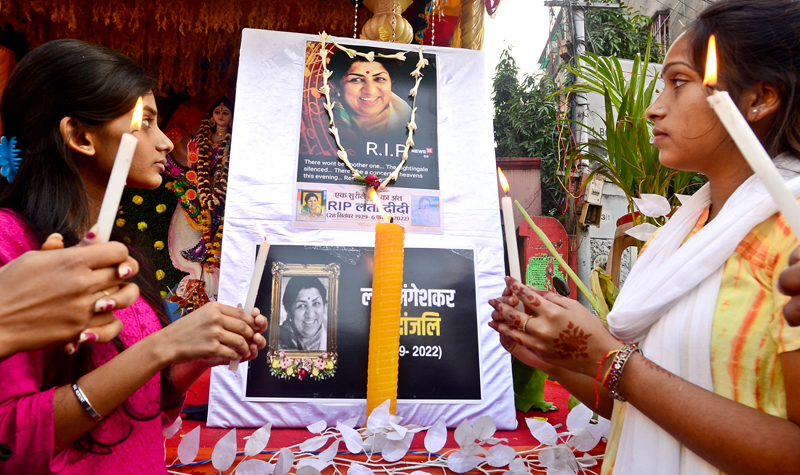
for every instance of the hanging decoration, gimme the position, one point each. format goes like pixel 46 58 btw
pixel 388 23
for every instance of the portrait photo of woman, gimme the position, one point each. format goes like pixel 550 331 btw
pixel 366 106
pixel 305 301
pixel 311 205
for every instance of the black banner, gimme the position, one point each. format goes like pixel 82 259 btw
pixel 317 351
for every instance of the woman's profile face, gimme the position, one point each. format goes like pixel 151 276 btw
pixel 686 131
pixel 367 88
pixel 308 311
pixel 149 160
pixel 311 202
pixel 222 116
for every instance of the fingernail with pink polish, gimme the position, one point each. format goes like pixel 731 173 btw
pixel 72 348
pixel 125 271
pixel 88 337
pixel 92 234
pixel 104 305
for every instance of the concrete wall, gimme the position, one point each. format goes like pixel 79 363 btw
pixel 681 12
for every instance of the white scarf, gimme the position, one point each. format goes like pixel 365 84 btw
pixel 668 303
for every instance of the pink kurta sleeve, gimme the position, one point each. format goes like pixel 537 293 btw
pixel 26 414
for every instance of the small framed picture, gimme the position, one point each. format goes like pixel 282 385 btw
pixel 302 326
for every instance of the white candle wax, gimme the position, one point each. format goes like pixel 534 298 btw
pixel 116 183
pixel 758 158
pixel 252 291
pixel 511 239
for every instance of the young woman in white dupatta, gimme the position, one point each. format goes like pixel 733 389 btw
pixel 717 388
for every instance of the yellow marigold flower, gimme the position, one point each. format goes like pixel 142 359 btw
pixel 289 371
pixel 142 226
pixel 120 222
pixel 159 245
pixel 276 363
pixel 137 199
pixel 161 208
pixel 160 274
pixel 329 364
pixel 315 371
pixel 163 294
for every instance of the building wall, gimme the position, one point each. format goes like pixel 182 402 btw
pixel 681 12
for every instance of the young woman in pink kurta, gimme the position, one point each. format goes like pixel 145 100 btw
pixel 68 103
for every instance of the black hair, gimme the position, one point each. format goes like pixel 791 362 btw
pixel 308 194
pixel 93 84
pixel 340 63
pixel 298 283
pixel 756 41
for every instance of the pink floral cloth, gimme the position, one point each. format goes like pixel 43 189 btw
pixel 26 412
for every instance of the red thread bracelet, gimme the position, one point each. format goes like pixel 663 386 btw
pixel 600 370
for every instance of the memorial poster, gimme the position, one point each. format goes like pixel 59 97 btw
pixel 371 110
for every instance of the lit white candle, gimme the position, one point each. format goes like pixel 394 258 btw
pixel 119 176
pixel 748 143
pixel 255 282
pixel 510 230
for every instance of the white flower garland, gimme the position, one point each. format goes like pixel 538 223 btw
pixel 329 105
pixel 385 444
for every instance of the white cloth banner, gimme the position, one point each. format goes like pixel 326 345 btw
pixel 261 182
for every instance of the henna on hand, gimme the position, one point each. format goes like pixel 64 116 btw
pixel 572 343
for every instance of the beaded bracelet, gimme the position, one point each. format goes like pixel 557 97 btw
pixel 85 403
pixel 611 382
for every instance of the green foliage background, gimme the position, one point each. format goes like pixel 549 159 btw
pixel 526 123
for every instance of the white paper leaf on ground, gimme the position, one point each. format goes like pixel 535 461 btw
pixel 284 462
pixel 189 446
pixel 642 232
pixel 317 427
pixel 500 456
pixel 494 441
pixel 436 436
pixel 605 426
pixel 328 454
pixel 463 434
pixel 395 450
pixel 358 469
pixel 379 416
pixel 518 466
pixel 313 463
pixel 352 439
pixel 584 440
pixel 558 460
pixel 349 422
pixel 587 461
pixel 579 417
pixel 683 198
pixel 173 429
pixel 652 205
pixel 314 443
pixel 258 441
pixel 542 431
pixel 375 443
pixel 460 463
pixel 419 472
pixel 483 428
pixel 402 431
pixel 255 467
pixel 224 452
pixel 308 470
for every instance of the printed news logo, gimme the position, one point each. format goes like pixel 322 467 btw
pixel 429 150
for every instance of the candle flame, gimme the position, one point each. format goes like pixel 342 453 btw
pixel 711 63
pixel 503 181
pixel 387 218
pixel 261 231
pixel 136 123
